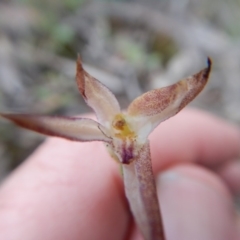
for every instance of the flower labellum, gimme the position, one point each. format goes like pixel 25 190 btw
pixel 124 134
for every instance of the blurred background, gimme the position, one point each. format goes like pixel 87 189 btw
pixel 131 46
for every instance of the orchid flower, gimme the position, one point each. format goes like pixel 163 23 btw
pixel 124 134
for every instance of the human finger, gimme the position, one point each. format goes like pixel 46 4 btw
pixel 65 190
pixel 194 136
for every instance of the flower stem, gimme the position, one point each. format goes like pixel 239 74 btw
pixel 141 192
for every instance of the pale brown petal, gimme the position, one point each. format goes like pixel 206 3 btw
pixel 76 129
pixel 157 105
pixel 141 192
pixel 97 96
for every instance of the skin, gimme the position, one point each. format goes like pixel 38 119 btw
pixel 68 190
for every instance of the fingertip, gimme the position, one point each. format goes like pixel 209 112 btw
pixel 195 205
pixel 194 136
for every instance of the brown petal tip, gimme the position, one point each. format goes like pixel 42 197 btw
pixel 80 78
pixel 202 77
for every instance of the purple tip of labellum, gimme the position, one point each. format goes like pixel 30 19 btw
pixel 209 62
pixel 209 67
